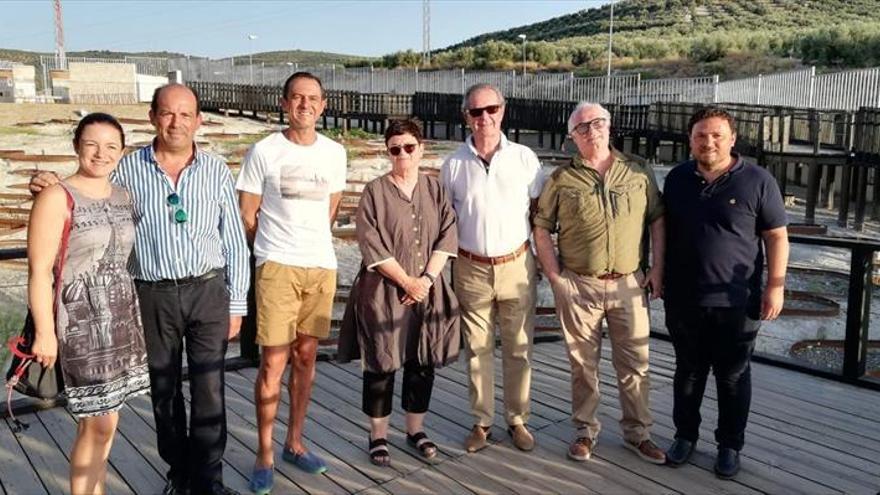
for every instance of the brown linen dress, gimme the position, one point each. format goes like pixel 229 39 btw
pixel 377 327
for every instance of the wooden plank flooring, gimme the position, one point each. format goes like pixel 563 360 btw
pixel 805 435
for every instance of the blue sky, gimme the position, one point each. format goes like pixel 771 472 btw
pixel 220 28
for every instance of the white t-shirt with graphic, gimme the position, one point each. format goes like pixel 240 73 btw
pixel 296 183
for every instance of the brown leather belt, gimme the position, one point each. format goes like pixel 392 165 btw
pixel 610 276
pixel 495 260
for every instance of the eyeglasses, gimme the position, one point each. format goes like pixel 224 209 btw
pixel 584 128
pixel 180 215
pixel 476 112
pixel 409 148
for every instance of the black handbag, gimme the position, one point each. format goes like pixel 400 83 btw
pixel 25 375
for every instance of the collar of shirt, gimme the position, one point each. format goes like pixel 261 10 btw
pixel 735 168
pixel 578 162
pixel 504 143
pixel 150 152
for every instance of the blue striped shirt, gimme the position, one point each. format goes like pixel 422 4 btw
pixel 212 236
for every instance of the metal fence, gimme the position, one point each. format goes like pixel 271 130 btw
pixel 845 90
pixel 625 89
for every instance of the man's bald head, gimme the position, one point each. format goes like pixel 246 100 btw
pixel 176 87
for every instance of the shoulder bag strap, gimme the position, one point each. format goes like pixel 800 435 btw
pixel 62 249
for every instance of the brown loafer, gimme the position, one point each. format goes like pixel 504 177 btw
pixel 648 451
pixel 581 449
pixel 522 439
pixel 477 439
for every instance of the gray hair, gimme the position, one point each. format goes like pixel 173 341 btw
pixel 477 87
pixel 583 106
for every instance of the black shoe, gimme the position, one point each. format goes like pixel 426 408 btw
pixel 679 452
pixel 727 463
pixel 173 487
pixel 221 489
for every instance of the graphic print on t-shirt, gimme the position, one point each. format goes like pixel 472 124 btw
pixel 297 182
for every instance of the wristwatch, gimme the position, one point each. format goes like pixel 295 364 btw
pixel 432 278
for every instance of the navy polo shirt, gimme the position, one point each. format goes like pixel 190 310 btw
pixel 714 248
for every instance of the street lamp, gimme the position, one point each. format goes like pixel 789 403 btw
pixel 523 37
pixel 610 38
pixel 251 38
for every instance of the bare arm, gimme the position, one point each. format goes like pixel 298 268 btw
pixel 249 204
pixel 436 263
pixel 776 241
pixel 44 236
pixel 654 279
pixel 335 199
pixel 546 254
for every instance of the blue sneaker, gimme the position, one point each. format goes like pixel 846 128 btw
pixel 261 480
pixel 308 462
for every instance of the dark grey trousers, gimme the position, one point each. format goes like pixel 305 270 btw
pixel 198 313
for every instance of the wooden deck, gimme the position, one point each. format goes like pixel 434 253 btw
pixel 805 435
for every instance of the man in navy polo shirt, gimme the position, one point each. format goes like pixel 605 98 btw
pixel 721 213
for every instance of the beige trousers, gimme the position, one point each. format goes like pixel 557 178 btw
pixel 582 302
pixel 504 294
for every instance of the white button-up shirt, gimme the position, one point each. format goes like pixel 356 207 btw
pixel 492 207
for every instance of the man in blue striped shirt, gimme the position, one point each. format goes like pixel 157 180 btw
pixel 192 274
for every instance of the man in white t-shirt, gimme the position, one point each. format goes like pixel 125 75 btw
pixel 493 184
pixel 290 186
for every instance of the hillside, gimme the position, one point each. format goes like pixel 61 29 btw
pixel 683 37
pixel 307 58
pixel 647 18
pixel 33 58
pixel 301 57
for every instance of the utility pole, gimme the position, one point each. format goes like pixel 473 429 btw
pixel 610 42
pixel 60 54
pixel 426 33
pixel 251 38
pixel 523 37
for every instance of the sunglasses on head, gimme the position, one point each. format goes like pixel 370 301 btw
pixel 490 109
pixel 409 148
pixel 180 215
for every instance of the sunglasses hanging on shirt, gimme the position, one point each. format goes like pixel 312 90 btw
pixel 180 215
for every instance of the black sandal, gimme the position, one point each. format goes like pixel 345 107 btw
pixel 420 441
pixel 379 454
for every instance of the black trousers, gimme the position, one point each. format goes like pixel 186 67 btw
pixel 720 339
pixel 199 313
pixel 418 381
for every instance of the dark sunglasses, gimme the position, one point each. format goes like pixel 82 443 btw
pixel 180 215
pixel 395 150
pixel 476 112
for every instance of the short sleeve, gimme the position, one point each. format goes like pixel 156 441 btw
pixel 369 234
pixel 533 167
pixel 771 209
pixel 341 164
pixel 447 238
pixel 655 208
pixel 548 206
pixel 253 172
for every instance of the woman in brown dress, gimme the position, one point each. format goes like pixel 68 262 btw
pixel 402 312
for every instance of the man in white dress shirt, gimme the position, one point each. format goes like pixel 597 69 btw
pixel 493 184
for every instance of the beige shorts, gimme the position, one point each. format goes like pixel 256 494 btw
pixel 292 300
